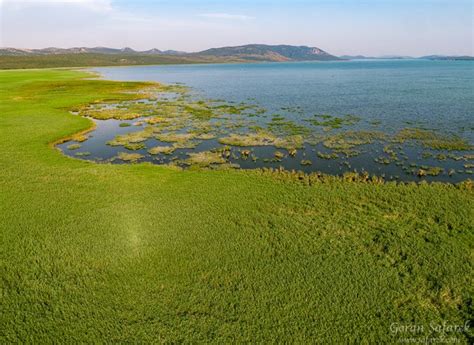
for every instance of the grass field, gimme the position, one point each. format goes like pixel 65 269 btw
pixel 141 253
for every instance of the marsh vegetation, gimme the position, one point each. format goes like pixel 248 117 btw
pixel 169 124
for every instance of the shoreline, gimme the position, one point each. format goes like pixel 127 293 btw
pixel 100 76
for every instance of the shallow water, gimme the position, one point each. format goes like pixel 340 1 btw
pixel 387 95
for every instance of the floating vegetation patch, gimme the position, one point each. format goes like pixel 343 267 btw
pixel 175 137
pixel 74 146
pixel 134 146
pixel 205 136
pixel 117 114
pixel 185 144
pixel 292 152
pixel 278 155
pixel 429 171
pixel 261 138
pixel 132 138
pixel 350 139
pixel 129 157
pixel 82 154
pixel 167 150
pixel 205 158
pixel 291 143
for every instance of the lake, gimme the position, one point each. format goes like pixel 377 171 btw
pixel 423 107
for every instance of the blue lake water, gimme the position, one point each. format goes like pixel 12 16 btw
pixel 396 94
pixel 438 94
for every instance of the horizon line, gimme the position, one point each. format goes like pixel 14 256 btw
pixel 387 55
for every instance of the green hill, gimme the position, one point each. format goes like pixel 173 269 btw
pixel 272 52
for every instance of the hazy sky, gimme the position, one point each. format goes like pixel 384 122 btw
pixel 369 27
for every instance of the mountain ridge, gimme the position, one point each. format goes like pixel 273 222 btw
pixel 14 58
pixel 448 57
pixel 253 52
pixel 279 52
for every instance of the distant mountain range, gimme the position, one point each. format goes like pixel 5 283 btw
pixel 85 50
pixel 444 57
pixel 103 56
pixel 252 52
pixel 385 57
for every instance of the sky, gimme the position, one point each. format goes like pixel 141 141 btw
pixel 341 27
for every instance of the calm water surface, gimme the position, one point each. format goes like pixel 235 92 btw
pixel 395 93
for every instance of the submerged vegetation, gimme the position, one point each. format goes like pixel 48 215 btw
pixel 432 139
pixel 327 155
pixel 333 122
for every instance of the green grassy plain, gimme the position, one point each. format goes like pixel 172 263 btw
pixel 141 253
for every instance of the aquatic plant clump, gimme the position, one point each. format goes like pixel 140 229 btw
pixel 351 139
pixel 161 149
pixel 129 157
pixel 429 171
pixel 205 136
pixel 205 159
pixel 74 146
pixel 175 137
pixel 260 138
pixel 134 146
pixel 82 154
pixel 132 138
pixel 106 114
pixel 291 143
